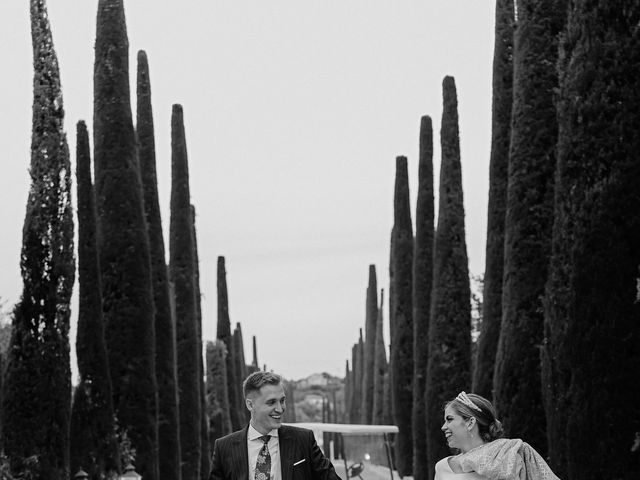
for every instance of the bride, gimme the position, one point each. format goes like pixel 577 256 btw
pixel 470 426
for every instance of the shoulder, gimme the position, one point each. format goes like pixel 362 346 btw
pixel 238 435
pixel 443 464
pixel 291 431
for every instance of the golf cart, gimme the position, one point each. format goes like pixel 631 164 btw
pixel 356 451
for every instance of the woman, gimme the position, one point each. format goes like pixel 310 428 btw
pixel 470 427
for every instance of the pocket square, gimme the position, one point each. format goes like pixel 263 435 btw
pixel 299 462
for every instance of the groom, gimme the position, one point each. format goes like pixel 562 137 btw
pixel 266 449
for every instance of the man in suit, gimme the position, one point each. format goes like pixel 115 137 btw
pixel 266 449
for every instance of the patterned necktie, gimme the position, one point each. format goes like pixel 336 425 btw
pixel 263 465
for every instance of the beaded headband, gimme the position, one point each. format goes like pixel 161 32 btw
pixel 464 398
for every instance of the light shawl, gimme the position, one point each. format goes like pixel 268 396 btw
pixel 506 459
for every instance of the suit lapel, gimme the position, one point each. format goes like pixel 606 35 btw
pixel 287 449
pixel 241 455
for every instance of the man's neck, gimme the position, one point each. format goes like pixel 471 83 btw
pixel 258 429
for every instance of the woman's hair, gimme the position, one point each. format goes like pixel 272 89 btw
pixel 489 426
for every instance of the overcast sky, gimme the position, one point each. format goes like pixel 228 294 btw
pixel 294 114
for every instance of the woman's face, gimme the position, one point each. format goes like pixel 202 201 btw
pixel 456 429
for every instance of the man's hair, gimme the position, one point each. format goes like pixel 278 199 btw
pixel 257 380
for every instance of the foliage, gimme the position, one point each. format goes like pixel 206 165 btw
pixel 205 448
pixel 498 172
pixel 93 431
pixel 241 370
pixel 224 334
pixel 182 275
pixel 381 415
pixel 166 369
pixel 591 351
pixel 448 368
pixel 422 283
pixel 37 389
pixel 477 301
pixel 366 408
pixel 401 318
pixel 218 409
pixel 528 221
pixel 123 242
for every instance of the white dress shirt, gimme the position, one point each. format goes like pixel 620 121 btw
pixel 254 445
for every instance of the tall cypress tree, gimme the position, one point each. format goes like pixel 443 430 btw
pixel 369 347
pixel 347 391
pixel 224 334
pixel 529 218
pixel 123 243
pixel 449 365
pixel 241 369
pixel 401 317
pixel 380 369
pixel 422 280
pixel 166 375
pixel 498 176
pixel 254 362
pixel 205 455
pixel 591 354
pixel 356 386
pixel 360 375
pixel 94 444
pixel 217 391
pixel 37 394
pixel 182 274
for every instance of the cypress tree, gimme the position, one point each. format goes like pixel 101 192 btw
pixel 2 363
pixel 123 243
pixel 254 362
pixel 449 365
pixel 529 218
pixel 94 446
pixel 224 334
pixel 182 274
pixel 241 369
pixel 166 375
pixel 205 455
pixel 239 344
pixel 347 392
pixel 401 317
pixel 359 385
pixel 217 391
pixel 380 369
pixel 37 391
pixel 498 173
pixel 422 280
pixel 356 384
pixel 387 403
pixel 591 352
pixel 369 347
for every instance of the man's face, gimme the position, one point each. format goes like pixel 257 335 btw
pixel 267 407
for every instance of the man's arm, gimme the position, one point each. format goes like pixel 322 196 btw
pixel 216 472
pixel 321 466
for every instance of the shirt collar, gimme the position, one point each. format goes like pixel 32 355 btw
pixel 253 434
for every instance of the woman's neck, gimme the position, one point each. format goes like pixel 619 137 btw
pixel 471 444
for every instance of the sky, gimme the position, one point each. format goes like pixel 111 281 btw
pixel 295 111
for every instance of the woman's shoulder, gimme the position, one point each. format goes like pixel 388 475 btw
pixel 443 464
pixel 445 472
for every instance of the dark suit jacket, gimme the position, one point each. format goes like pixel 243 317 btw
pixel 231 459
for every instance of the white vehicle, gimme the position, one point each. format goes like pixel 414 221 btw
pixel 363 451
